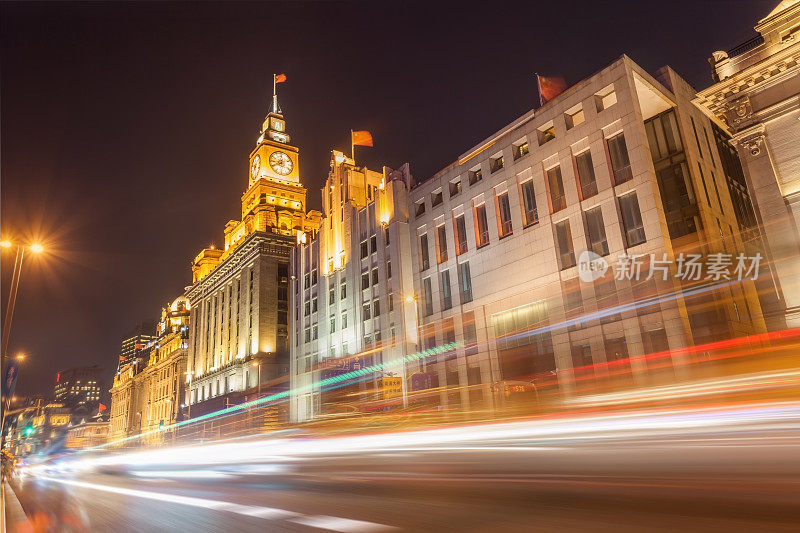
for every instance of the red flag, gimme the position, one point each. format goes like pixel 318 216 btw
pixel 550 87
pixel 102 408
pixel 280 78
pixel 138 346
pixel 121 358
pixel 362 138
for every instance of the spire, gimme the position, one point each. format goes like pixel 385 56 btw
pixel 274 126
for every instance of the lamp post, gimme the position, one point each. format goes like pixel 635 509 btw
pixel 189 373
pixel 12 294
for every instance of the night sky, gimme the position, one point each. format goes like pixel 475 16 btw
pixel 126 128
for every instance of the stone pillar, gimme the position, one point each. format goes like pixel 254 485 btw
pixel 779 216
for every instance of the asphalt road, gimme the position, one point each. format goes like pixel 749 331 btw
pixel 735 471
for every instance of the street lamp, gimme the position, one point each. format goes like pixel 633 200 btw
pixel 257 364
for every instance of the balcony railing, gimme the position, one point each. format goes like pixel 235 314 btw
pixel 442 256
pixel 559 203
pixel 461 247
pixel 505 228
pixel 483 239
pixel 621 175
pixel 531 216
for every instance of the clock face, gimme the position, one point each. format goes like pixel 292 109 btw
pixel 255 166
pixel 280 163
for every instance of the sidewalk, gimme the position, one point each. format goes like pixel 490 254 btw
pixel 14 517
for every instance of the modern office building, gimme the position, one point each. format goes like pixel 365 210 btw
pixel 535 251
pixel 349 284
pixel 136 343
pixel 240 293
pixel 78 387
pixel 756 99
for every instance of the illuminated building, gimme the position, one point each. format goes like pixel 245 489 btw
pixel 620 163
pixel 147 393
pixel 78 387
pixel 37 428
pixel 755 99
pixel 135 343
pixel 164 377
pixel 349 285
pixel 240 292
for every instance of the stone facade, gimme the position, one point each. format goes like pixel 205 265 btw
pixel 756 98
pixel 349 285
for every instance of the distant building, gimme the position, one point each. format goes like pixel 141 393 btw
pixel 349 285
pixel 755 99
pixel 88 434
pixel 136 342
pixel 240 293
pixel 78 387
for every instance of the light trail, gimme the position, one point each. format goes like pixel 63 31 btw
pixel 546 432
pixel 331 523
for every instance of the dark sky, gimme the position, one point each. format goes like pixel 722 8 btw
pixel 126 127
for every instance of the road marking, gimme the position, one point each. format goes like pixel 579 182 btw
pixel 333 523
pixel 344 525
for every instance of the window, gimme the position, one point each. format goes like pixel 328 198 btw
pixel 424 254
pixel 521 149
pixel 427 297
pixel 364 250
pixel 481 226
pixel 344 320
pixel 605 98
pixel 558 199
pixel 374 276
pixel 546 133
pixel 447 295
pixel 574 116
pixel 343 290
pixel 504 215
pixel 529 213
pixel 386 236
pixel 455 186
pixel 672 175
pixel 420 208
pixel 388 270
pixel 314 333
pixel 391 302
pixel 331 296
pixel 464 283
pixel 460 232
pixel 441 244
pixel 365 281
pixel 596 231
pixel 586 179
pixel 365 312
pixel 631 219
pixel 436 198
pixel 373 244
pixel 475 176
pixel 333 323
pixel 314 277
pixel 620 163
pixel 314 305
pixel 497 163
pixel 376 308
pixel 566 255
pixel 307 309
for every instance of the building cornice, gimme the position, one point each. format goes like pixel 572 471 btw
pixel 257 243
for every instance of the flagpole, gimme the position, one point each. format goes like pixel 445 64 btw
pixel 352 149
pixel 274 95
pixel 539 88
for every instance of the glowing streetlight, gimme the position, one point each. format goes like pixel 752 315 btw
pixel 5 244
pixel 20 357
pixel 36 248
